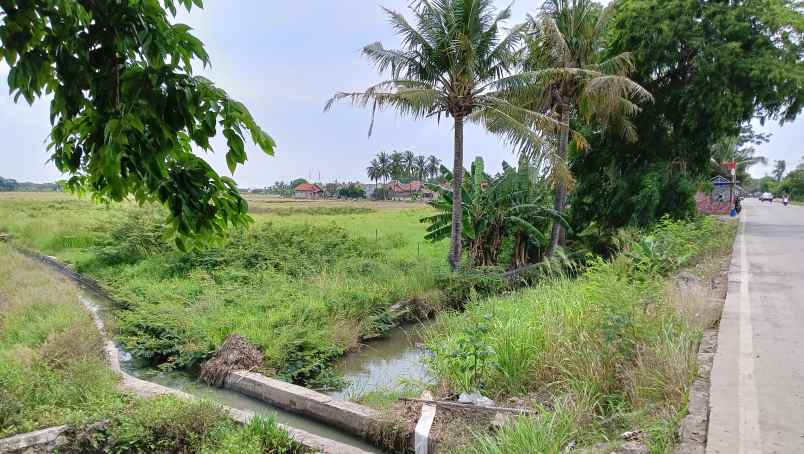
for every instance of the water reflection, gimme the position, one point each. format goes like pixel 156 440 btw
pixel 385 364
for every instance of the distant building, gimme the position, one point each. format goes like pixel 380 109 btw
pixel 405 191
pixel 307 191
pixel 369 188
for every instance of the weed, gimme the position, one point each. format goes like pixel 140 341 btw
pixel 618 338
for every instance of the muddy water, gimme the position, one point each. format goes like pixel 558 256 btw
pixel 385 364
pixel 184 382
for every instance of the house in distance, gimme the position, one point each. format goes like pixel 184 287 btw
pixel 307 191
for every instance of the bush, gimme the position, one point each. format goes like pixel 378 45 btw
pixel 138 235
pixel 459 287
pixel 351 191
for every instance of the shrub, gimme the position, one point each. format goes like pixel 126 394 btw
pixel 138 235
pixel 351 191
pixel 459 286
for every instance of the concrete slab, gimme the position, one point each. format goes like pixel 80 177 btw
pixel 348 416
pixel 44 440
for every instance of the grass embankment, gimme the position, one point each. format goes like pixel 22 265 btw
pixel 611 351
pixel 53 372
pixel 305 283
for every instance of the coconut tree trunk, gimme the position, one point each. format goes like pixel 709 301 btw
pixel 560 200
pixel 457 205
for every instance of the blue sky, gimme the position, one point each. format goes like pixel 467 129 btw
pixel 284 60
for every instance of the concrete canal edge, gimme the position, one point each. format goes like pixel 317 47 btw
pixel 43 440
pixel 358 417
pixel 694 429
pixel 347 416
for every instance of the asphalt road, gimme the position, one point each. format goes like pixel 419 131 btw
pixel 757 394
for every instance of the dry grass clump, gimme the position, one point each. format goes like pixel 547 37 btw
pixel 236 353
pixel 77 343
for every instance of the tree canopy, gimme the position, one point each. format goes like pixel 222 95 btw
pixel 126 109
pixel 711 66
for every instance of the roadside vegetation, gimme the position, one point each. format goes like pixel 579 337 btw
pixel 613 350
pixel 53 372
pixel 560 268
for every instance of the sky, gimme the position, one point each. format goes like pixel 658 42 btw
pixel 284 60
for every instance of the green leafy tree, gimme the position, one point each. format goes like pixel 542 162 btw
pixel 768 184
pixel 8 184
pixel 351 191
pixel 451 59
pixel 396 165
pixel 793 184
pixel 569 75
pixel 711 67
pixel 126 108
pixel 384 164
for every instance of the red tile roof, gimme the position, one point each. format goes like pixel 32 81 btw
pixel 413 186
pixel 307 187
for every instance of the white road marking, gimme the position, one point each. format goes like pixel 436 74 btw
pixel 750 437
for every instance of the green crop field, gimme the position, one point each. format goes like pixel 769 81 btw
pixel 305 282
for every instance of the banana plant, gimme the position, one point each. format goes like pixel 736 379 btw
pixel 505 215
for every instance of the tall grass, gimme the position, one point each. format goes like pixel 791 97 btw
pixel 304 283
pixel 52 368
pixel 53 372
pixel 619 338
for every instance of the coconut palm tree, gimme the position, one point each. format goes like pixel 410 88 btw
pixel 407 163
pixel 730 149
pixel 419 167
pixel 566 74
pixel 433 164
pixel 396 166
pixel 452 56
pixel 374 171
pixel 384 163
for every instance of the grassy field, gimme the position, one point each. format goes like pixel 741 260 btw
pixel 613 350
pixel 305 283
pixel 52 372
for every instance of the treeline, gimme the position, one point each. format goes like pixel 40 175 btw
pixel 404 167
pixel 623 121
pixel 12 185
pixel 791 183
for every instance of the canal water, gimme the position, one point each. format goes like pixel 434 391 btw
pixel 385 364
pixel 182 381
